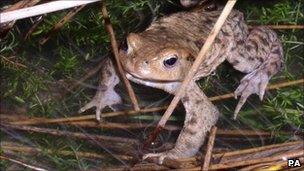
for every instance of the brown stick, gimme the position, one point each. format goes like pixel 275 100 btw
pixel 132 112
pixel 60 24
pixel 6 27
pixel 269 87
pixel 265 166
pixel 188 163
pixel 246 133
pixel 195 66
pixel 89 74
pixel 260 154
pixel 269 166
pixel 11 119
pixel 254 150
pixel 87 117
pixel 220 166
pixel 287 155
pixel 222 156
pixel 21 4
pixel 8 61
pixel 32 151
pixel 220 132
pixel 200 58
pixel 109 125
pixel 37 22
pixel 78 82
pixel 17 5
pixel 71 134
pixel 23 164
pixel 279 27
pixel 224 164
pixel 208 154
pixel 110 30
pixel 139 167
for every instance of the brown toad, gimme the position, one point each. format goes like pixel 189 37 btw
pixel 161 56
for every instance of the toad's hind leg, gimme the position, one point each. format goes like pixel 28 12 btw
pixel 260 55
pixel 201 115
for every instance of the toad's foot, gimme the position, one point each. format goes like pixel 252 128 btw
pixel 104 97
pixel 253 83
pixel 161 157
pixel 180 151
pixel 171 154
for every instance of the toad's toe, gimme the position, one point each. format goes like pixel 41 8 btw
pixel 253 83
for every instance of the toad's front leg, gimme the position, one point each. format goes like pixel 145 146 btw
pixel 105 95
pixel 201 115
pixel 261 57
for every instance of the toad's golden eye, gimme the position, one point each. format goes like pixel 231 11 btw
pixel 170 62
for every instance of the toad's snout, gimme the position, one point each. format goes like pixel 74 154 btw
pixel 135 67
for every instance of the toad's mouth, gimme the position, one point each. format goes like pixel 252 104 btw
pixel 131 74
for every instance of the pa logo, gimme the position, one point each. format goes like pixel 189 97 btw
pixel 293 163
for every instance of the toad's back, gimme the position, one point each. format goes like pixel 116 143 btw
pixel 190 29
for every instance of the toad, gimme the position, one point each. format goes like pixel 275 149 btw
pixel 161 56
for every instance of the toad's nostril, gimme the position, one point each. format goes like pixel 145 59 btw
pixel 146 62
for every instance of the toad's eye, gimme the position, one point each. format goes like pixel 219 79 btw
pixel 211 7
pixel 124 45
pixel 170 62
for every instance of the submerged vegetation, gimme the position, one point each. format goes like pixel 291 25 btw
pixel 35 77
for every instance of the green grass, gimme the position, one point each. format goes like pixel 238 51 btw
pixel 82 43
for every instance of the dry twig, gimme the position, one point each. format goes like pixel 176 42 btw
pixel 278 151
pixel 44 8
pixel 269 166
pixel 280 27
pixel 10 62
pixel 60 24
pixel 18 5
pixel 139 167
pixel 32 151
pixel 192 163
pixel 111 125
pixel 261 154
pixel 233 156
pixel 23 164
pixel 254 150
pixel 199 59
pixel 195 66
pixel 36 22
pixel 70 134
pixel 13 119
pixel 132 112
pixel 269 87
pixel 78 82
pixel 109 29
pixel 291 154
pixel 6 27
pixel 252 156
pixel 210 144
